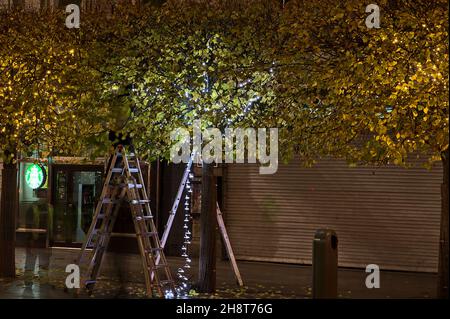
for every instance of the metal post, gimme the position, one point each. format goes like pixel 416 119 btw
pixel 325 264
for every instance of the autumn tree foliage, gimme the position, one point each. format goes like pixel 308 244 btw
pixel 48 93
pixel 192 60
pixel 313 69
pixel 375 95
pixel 50 100
pixel 389 85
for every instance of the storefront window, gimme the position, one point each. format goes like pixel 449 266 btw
pixel 61 210
pixel 76 193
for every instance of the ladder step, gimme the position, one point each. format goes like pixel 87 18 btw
pixel 134 170
pixel 131 185
pixel 144 217
pixel 140 201
pixel 159 266
pixel 117 170
pixel 132 155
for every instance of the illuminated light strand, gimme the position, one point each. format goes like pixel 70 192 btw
pixel 183 272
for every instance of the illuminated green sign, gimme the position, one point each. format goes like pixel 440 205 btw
pixel 35 176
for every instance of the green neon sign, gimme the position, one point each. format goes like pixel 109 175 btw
pixel 35 176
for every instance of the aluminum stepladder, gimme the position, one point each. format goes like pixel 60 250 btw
pixel 124 182
pixel 220 222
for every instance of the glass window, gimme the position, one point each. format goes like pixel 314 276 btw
pixel 76 195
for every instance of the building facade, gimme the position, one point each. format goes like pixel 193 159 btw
pixel 58 204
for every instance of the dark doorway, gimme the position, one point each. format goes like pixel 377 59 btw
pixel 75 193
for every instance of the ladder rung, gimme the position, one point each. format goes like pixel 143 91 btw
pixel 158 266
pixel 131 185
pixel 161 265
pixel 144 217
pixel 134 170
pixel 139 202
pixel 117 170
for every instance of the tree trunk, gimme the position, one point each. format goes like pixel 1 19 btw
pixel 443 243
pixel 207 272
pixel 8 207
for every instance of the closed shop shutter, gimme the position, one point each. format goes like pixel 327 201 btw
pixel 387 216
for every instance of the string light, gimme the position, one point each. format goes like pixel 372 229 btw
pixel 183 272
pixel 169 294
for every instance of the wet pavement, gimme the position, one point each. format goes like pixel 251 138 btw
pixel 121 277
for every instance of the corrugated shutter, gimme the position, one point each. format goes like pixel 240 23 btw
pixel 383 215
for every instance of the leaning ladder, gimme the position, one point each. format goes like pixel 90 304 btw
pixel 124 181
pixel 220 221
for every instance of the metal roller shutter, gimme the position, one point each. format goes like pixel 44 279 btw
pixel 383 215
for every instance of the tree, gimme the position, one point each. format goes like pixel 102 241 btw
pixel 49 101
pixel 196 60
pixel 367 95
pixel 48 96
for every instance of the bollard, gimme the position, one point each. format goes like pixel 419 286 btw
pixel 325 264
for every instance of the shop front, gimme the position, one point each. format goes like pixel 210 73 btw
pixel 383 215
pixel 57 200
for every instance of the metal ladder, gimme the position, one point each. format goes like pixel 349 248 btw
pixel 124 181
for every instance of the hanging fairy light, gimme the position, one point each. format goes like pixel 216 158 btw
pixel 183 272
